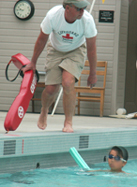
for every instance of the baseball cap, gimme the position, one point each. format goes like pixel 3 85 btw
pixel 123 150
pixel 78 3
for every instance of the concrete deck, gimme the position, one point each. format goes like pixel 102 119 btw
pixel 80 124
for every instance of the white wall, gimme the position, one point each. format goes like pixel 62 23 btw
pixel 19 37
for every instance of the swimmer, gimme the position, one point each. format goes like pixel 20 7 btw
pixel 117 159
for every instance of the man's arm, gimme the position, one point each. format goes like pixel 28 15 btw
pixel 92 57
pixel 39 46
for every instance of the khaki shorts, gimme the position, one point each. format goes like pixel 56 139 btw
pixel 56 61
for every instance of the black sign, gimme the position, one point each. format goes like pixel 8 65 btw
pixel 106 16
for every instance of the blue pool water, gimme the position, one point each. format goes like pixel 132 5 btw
pixel 72 177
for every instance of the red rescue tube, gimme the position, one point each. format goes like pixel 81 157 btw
pixel 21 102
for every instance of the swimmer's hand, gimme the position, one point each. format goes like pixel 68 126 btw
pixel 100 170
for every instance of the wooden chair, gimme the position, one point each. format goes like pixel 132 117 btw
pixel 96 93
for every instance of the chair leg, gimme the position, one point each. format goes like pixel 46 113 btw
pixel 33 106
pixel 78 107
pixel 101 104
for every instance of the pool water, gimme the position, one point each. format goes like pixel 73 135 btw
pixel 72 177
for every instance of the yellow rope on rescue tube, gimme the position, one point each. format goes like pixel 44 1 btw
pixel 103 1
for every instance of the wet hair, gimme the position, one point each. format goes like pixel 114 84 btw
pixel 121 151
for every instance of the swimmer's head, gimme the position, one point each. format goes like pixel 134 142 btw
pixel 121 152
pixel 117 158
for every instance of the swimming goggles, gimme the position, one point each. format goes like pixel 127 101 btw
pixel 79 9
pixel 117 158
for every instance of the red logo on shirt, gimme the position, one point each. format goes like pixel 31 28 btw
pixel 67 38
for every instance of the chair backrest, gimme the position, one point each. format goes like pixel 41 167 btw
pixel 101 71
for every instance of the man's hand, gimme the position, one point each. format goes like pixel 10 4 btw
pixel 92 79
pixel 28 67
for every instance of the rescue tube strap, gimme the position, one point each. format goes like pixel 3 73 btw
pixel 20 72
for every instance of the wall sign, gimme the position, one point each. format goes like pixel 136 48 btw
pixel 106 16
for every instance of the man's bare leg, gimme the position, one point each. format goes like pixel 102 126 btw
pixel 69 98
pixel 48 97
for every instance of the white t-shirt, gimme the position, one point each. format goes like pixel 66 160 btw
pixel 66 36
